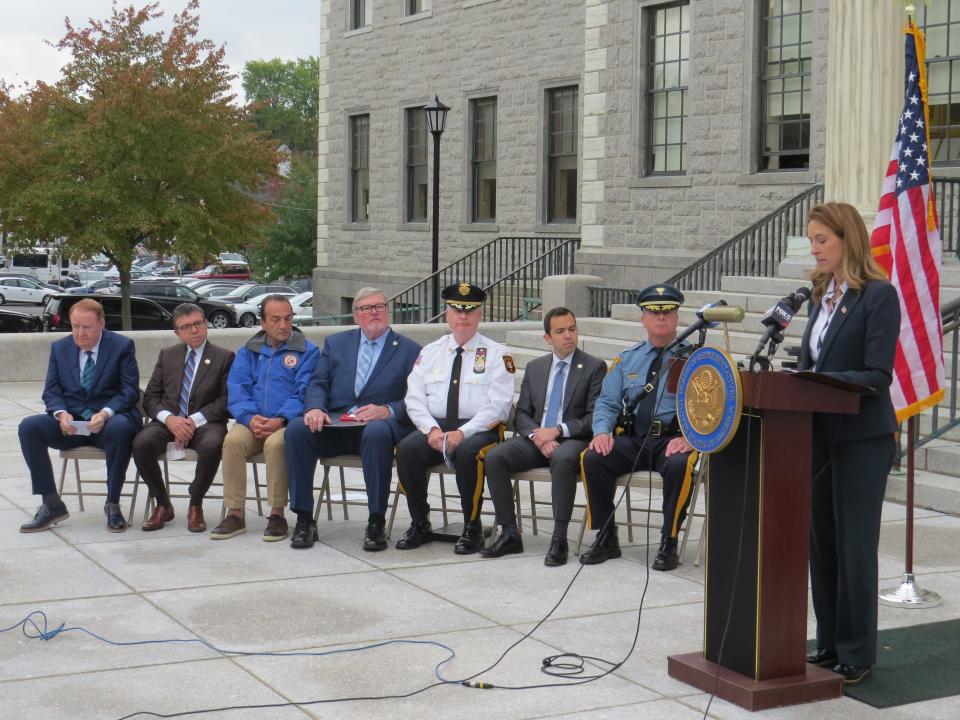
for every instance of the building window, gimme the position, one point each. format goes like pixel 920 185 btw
pixel 483 160
pixel 667 89
pixel 562 155
pixel 785 82
pixel 941 24
pixel 416 165
pixel 417 6
pixel 361 13
pixel 359 168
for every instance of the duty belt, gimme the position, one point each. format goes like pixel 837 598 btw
pixel 659 428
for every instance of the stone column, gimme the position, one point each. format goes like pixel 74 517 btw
pixel 592 188
pixel 323 118
pixel 864 99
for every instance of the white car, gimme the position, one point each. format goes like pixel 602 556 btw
pixel 302 304
pixel 15 289
pixel 247 314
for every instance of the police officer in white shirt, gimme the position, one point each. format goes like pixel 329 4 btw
pixel 458 397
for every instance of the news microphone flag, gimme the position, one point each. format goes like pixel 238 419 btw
pixel 906 243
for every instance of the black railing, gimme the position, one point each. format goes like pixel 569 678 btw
pixel 944 417
pixel 602 298
pixel 497 268
pixel 757 250
pixel 946 192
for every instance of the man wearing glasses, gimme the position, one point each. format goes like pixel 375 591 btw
pixel 458 396
pixel 354 406
pixel 187 400
pixel 635 429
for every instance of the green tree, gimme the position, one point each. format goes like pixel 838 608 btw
pixel 284 99
pixel 137 143
pixel 289 247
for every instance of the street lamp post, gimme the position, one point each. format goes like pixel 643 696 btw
pixel 436 119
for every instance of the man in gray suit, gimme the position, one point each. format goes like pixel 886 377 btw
pixel 553 423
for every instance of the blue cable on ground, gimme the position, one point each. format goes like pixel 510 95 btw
pixel 35 627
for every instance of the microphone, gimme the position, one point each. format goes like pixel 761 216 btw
pixel 709 316
pixel 778 318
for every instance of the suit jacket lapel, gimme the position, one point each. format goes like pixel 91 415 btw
pixel 201 370
pixel 389 348
pixel 539 384
pixel 574 373
pixel 102 352
pixel 805 343
pixel 840 315
pixel 353 345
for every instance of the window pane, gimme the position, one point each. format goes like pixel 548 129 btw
pixel 416 157
pixel 562 155
pixel 942 26
pixel 668 69
pixel 484 160
pixel 359 168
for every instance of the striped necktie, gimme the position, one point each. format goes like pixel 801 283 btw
pixel 187 383
pixel 556 397
pixel 363 366
pixel 86 380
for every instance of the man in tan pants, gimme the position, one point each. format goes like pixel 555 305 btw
pixel 265 390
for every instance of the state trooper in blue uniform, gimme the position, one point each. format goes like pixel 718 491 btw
pixel 636 415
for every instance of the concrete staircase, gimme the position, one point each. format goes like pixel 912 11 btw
pixel 937 463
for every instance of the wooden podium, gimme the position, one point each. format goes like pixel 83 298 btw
pixel 758 509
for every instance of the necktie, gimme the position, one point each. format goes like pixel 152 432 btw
pixel 453 391
pixel 556 397
pixel 187 383
pixel 86 380
pixel 363 366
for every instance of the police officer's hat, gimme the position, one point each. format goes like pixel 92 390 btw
pixel 660 298
pixel 463 296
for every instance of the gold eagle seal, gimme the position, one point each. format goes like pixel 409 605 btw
pixel 706 397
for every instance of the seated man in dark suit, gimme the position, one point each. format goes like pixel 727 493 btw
pixel 187 399
pixel 92 378
pixel 553 423
pixel 361 372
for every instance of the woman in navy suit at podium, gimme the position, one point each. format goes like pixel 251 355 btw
pixel 851 335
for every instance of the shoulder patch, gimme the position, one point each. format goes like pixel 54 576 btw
pixel 508 364
pixel 616 361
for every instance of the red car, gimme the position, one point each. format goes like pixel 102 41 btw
pixel 222 272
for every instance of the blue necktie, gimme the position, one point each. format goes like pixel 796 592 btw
pixel 187 383
pixel 363 366
pixel 86 380
pixel 556 397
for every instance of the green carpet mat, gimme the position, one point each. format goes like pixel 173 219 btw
pixel 916 663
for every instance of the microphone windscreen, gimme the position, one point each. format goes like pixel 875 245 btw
pixel 725 313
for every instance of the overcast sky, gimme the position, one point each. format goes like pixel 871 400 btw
pixel 250 30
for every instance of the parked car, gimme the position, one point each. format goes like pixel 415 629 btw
pixel 302 284
pixel 302 308
pixel 15 289
pixel 220 271
pixel 245 292
pixel 145 314
pixel 18 322
pixel 247 313
pixel 169 294
pixel 214 290
pixel 97 286
pixel 32 278
pixel 161 267
pixel 231 257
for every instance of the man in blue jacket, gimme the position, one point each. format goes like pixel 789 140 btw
pixel 354 406
pixel 264 392
pixel 90 396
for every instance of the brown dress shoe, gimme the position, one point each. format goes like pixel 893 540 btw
pixel 161 515
pixel 230 525
pixel 195 521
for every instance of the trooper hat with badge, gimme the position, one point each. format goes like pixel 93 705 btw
pixel 463 296
pixel 659 298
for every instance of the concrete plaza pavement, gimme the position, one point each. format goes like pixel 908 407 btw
pixel 246 595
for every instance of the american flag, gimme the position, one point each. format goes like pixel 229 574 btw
pixel 906 243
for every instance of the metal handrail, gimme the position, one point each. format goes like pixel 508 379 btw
pixel 946 193
pixel 944 417
pixel 756 251
pixel 488 267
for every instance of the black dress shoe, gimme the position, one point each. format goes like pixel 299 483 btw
pixel 115 521
pixel 823 658
pixel 605 547
pixel 470 540
pixel 375 539
pixel 851 674
pixel 667 558
pixel 556 554
pixel 415 536
pixel 45 518
pixel 305 533
pixel 508 542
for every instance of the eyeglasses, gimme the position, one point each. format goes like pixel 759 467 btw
pixel 192 326
pixel 367 309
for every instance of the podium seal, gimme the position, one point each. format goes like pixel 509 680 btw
pixel 709 399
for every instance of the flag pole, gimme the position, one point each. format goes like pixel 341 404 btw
pixel 907 595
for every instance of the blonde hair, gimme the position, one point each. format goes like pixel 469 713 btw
pixel 858 265
pixel 89 305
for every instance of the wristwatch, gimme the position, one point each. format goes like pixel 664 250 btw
pixel 559 429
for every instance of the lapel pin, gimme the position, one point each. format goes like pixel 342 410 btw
pixel 207 361
pixel 843 310
pixel 579 366
pixel 395 343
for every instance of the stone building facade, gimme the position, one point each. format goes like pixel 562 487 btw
pixel 653 130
